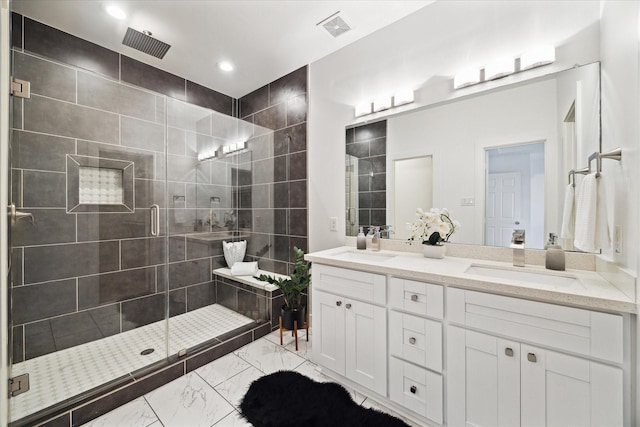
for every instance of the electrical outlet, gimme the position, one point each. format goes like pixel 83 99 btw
pixel 333 226
pixel 467 201
pixel 617 239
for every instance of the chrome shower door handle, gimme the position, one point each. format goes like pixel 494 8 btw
pixel 15 216
pixel 155 220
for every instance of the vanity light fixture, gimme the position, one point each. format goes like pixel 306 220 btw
pixel 382 103
pixel 534 58
pixel 233 148
pixel 363 109
pixel 537 57
pixel 208 155
pixel 402 98
pixel 500 68
pixel 466 78
pixel 115 11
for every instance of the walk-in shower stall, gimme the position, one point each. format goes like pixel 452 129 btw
pixel 123 197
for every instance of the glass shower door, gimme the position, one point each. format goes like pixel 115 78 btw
pixel 89 281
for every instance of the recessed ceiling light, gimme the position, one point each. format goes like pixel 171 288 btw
pixel 116 12
pixel 225 66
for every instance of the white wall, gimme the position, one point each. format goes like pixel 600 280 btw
pixel 326 153
pixel 620 128
pixel 620 34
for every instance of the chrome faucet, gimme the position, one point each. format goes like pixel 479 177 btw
pixel 386 231
pixel 517 243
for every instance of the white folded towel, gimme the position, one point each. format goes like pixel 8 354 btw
pixel 603 238
pixel 569 213
pixel 592 228
pixel 244 268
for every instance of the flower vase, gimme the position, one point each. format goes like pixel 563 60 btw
pixel 434 251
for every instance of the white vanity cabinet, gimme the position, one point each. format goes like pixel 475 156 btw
pixel 350 325
pixel 512 370
pixel 415 346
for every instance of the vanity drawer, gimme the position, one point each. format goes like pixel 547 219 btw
pixel 421 298
pixel 586 332
pixel 360 285
pixel 417 389
pixel 416 340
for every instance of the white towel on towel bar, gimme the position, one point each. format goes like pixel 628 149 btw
pixel 244 268
pixel 592 227
pixel 569 213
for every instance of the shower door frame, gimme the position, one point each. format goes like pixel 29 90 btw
pixel 5 70
pixel 6 184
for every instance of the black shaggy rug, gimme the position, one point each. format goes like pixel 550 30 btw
pixel 290 399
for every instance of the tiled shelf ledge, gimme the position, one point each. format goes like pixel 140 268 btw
pixel 250 280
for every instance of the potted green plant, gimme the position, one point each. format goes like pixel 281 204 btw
pixel 292 289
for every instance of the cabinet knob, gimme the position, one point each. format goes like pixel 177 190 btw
pixel 508 351
pixel 348 305
pixel 412 340
pixel 414 298
pixel 338 303
pixel 413 389
pixel 531 357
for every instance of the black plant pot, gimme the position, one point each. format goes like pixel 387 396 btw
pixel 288 316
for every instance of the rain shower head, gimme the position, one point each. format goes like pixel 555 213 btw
pixel 335 25
pixel 145 43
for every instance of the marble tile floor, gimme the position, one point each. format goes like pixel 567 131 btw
pixel 210 395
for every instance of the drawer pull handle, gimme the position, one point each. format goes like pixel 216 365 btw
pixel 508 351
pixel 412 340
pixel 414 298
pixel 413 389
pixel 338 303
pixel 348 305
pixel 531 357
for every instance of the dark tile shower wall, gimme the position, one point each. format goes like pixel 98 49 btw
pixel 274 205
pixel 101 268
pixel 369 144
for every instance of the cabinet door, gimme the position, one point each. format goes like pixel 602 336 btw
pixel 484 380
pixel 563 391
pixel 329 332
pixel 366 345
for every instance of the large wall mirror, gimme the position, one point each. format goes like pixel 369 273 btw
pixel 497 160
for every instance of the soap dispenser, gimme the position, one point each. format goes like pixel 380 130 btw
pixel 361 242
pixel 554 259
pixel 375 240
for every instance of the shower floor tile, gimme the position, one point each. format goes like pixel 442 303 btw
pixel 58 376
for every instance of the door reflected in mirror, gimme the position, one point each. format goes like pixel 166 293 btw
pixel 514 194
pixel 414 173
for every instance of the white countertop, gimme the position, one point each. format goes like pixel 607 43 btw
pixel 592 291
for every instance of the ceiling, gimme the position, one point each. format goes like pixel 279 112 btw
pixel 264 39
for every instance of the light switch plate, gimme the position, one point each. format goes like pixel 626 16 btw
pixel 617 239
pixel 333 226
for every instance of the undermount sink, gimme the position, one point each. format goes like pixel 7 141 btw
pixel 363 256
pixel 540 278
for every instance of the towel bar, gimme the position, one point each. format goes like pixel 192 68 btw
pixel 615 154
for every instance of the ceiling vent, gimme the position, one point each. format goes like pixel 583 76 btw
pixel 335 25
pixel 145 43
